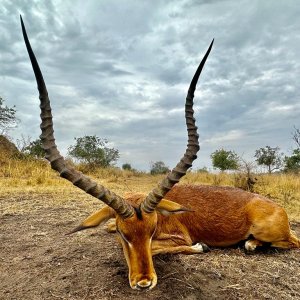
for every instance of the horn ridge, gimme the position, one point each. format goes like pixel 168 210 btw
pixel 155 196
pixel 56 160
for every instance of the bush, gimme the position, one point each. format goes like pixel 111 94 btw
pixel 127 166
pixel 158 167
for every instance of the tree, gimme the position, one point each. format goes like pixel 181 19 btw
pixel 7 117
pixel 126 166
pixel 296 136
pixel 93 151
pixel 158 167
pixel 269 157
pixel 35 149
pixel 292 163
pixel 225 160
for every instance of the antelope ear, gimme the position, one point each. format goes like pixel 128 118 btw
pixel 97 218
pixel 167 207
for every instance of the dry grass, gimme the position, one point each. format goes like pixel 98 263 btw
pixel 282 188
pixel 33 176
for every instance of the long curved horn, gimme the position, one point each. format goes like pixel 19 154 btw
pixel 154 197
pixel 58 163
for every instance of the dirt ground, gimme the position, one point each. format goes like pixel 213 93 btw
pixel 38 261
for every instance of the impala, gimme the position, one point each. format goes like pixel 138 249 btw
pixel 171 218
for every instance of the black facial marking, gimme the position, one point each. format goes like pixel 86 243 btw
pixel 138 212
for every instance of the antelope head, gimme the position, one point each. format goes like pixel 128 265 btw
pixel 135 224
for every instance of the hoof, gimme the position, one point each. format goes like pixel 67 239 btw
pixel 205 248
pixel 200 248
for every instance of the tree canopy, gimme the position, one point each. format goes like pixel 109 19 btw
pixel 292 163
pixel 94 151
pixel 158 167
pixel 269 157
pixel 296 136
pixel 225 160
pixel 126 166
pixel 8 117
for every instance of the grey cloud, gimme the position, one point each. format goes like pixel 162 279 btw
pixel 121 70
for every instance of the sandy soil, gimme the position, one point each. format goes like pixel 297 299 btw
pixel 37 261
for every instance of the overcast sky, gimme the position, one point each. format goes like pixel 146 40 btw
pixel 121 69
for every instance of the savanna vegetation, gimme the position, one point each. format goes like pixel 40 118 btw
pixel 31 175
pixel 37 208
